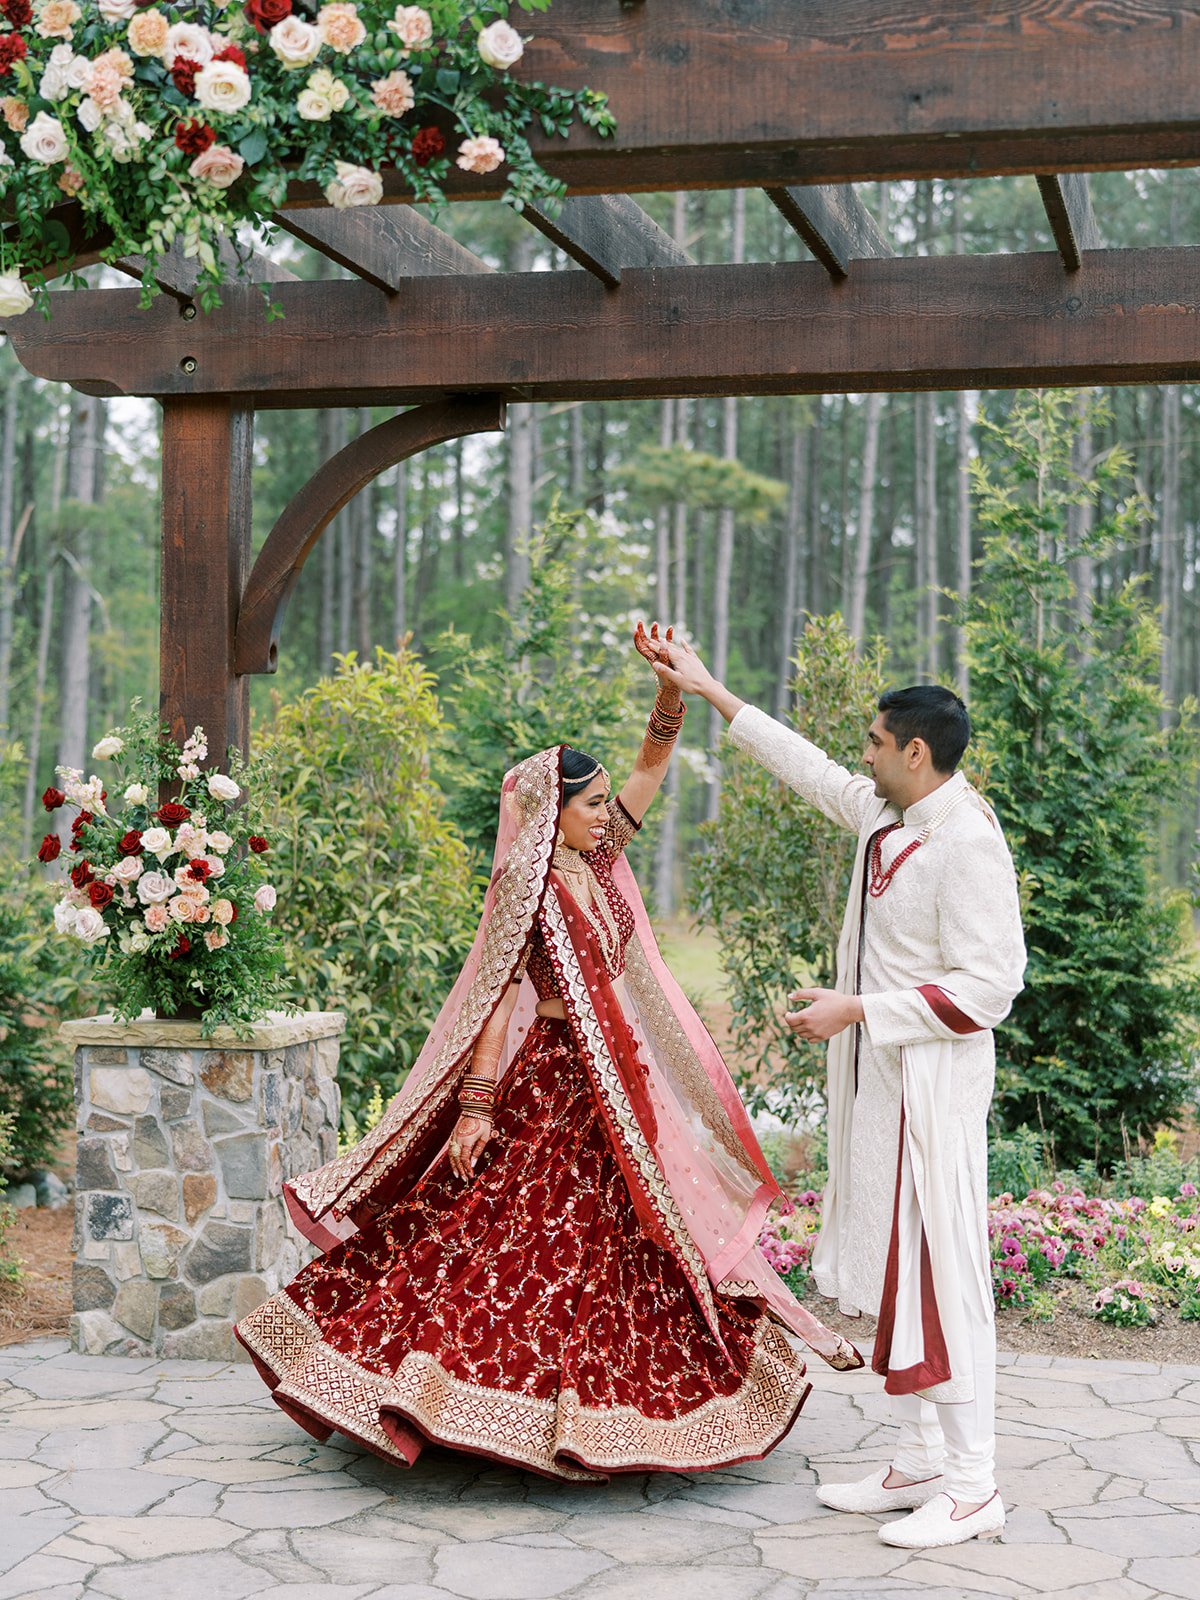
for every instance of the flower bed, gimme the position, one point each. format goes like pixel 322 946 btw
pixel 1132 1257
pixel 171 898
pixel 184 120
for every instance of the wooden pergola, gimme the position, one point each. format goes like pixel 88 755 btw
pixel 801 98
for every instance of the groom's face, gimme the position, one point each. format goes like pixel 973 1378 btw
pixel 884 761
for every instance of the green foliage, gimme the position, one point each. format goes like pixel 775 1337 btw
pixel 774 877
pixel 1015 1162
pixel 37 1101
pixel 676 475
pixel 559 674
pixel 1084 757
pixel 10 1270
pixel 376 899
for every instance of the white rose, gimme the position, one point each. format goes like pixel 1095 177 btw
pixel 137 794
pixel 90 926
pixel 264 898
pixel 313 107
pixel 79 70
pixel 222 86
pixel 295 42
pixel 14 296
pixel 44 140
pixel 89 116
pixel 189 40
pixel 500 45
pixel 221 787
pixel 139 940
pixel 221 843
pixel 354 186
pixel 158 842
pixel 54 84
pixel 128 869
pixel 154 887
pixel 117 10
pixel 64 916
pixel 108 747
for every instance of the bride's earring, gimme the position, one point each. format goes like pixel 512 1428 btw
pixel 561 837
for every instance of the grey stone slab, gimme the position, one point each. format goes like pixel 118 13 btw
pixel 78 1449
pixel 213 1575
pixel 25 1536
pixel 676 1583
pixel 303 1508
pixel 316 1591
pixel 643 1540
pixel 1168 1575
pixel 1145 1455
pixel 1169 1534
pixel 354 1557
pixel 115 1491
pixel 473 1571
pixel 39 1573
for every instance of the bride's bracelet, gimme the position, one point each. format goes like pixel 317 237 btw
pixel 477 1097
pixel 662 730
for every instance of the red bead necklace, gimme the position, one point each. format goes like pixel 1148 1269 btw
pixel 879 878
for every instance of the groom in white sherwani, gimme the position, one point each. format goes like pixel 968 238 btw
pixel 930 959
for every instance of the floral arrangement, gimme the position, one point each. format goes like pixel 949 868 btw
pixel 173 897
pixel 180 121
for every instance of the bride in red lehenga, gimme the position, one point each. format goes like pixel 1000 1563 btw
pixel 546 1253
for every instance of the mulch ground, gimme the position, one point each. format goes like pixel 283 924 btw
pixel 39 1306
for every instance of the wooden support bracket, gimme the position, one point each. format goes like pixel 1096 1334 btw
pixel 313 508
pixel 1068 204
pixel 834 224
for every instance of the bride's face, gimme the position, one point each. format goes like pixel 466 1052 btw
pixel 585 816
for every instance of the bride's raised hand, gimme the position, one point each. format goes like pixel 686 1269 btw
pixel 651 645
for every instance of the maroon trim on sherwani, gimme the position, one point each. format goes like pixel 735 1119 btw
pixel 935 1368
pixel 944 1009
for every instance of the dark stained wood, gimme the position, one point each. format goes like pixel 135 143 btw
pixel 313 508
pixel 385 247
pixel 1068 204
pixel 207 449
pixel 899 324
pixel 177 275
pixel 834 224
pixel 606 234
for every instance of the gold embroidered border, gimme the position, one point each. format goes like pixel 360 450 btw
pixel 520 1428
pixel 644 1160
pixel 515 898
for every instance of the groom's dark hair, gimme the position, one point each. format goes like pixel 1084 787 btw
pixel 927 711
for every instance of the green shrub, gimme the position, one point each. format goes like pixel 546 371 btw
pixel 376 898
pixel 10 1270
pixel 1015 1162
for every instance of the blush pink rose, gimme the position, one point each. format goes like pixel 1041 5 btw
pixel 156 918
pixel 218 165
pixel 393 94
pixel 264 898
pixel 480 155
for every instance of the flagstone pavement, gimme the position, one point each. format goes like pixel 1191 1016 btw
pixel 152 1480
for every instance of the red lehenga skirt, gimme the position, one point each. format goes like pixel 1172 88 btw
pixel 526 1318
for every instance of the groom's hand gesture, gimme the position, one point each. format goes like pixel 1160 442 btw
pixel 828 1012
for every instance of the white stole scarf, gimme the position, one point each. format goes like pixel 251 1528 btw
pixel 924 1346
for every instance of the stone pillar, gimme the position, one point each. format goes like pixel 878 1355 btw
pixel 184 1146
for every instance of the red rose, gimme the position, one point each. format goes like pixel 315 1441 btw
pixel 172 813
pixel 50 847
pixel 18 12
pixel 198 870
pixel 193 138
pixel 428 143
pixel 131 844
pixel 231 52
pixel 183 74
pixel 258 844
pixel 182 946
pixel 81 821
pixel 233 916
pixel 53 798
pixel 265 14
pixel 12 48
pixel 82 874
pixel 99 894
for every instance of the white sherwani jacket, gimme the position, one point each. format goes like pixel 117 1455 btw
pixel 938 959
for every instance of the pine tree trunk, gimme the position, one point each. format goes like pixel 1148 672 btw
pixel 1169 538
pixel 1080 519
pixel 400 557
pixel 520 435
pixel 364 539
pixel 793 565
pixel 8 553
pixel 84 447
pixel 962 533
pixel 45 628
pixel 856 609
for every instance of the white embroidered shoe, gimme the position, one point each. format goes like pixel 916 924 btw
pixel 870 1495
pixel 935 1524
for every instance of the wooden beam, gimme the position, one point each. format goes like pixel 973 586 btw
pixel 207 454
pixel 177 274
pixel 1068 204
pixel 386 248
pixel 313 508
pixel 606 234
pixel 906 323
pixel 834 224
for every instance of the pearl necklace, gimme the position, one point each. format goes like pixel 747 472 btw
pixel 878 877
pixel 572 866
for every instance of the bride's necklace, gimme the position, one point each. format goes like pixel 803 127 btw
pixel 571 865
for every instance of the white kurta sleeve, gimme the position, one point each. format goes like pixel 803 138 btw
pixel 981 954
pixel 845 797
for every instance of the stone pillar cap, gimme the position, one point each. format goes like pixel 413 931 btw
pixel 276 1030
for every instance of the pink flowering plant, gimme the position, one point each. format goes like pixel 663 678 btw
pixel 172 898
pixel 179 122
pixel 1126 1304
pixel 787 1239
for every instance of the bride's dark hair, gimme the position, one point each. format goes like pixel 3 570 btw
pixel 578 770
